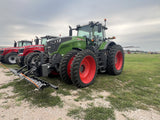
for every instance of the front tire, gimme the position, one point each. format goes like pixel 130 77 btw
pixel 65 66
pixel 115 60
pixel 84 68
pixel 10 58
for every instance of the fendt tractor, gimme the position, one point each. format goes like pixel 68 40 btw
pixel 8 55
pixel 77 58
pixel 32 50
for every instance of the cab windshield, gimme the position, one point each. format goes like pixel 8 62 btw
pixel 20 44
pixel 98 35
pixel 90 32
pixel 27 43
pixel 43 41
pixel 85 31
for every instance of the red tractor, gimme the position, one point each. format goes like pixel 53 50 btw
pixel 8 55
pixel 32 50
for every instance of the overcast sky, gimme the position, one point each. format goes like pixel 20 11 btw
pixel 133 22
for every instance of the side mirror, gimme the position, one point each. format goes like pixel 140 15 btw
pixel 15 44
pixel 36 40
pixel 70 31
pixel 99 28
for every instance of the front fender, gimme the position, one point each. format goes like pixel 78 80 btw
pixel 105 45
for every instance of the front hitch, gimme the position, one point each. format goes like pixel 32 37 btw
pixel 24 74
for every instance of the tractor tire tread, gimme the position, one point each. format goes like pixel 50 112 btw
pixel 30 58
pixel 75 68
pixel 63 66
pixel 26 58
pixel 111 51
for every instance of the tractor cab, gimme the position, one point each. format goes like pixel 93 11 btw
pixel 23 43
pixel 93 32
pixel 45 38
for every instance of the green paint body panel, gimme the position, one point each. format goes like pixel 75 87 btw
pixel 75 42
pixel 102 46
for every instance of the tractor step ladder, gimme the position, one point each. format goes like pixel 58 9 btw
pixel 101 60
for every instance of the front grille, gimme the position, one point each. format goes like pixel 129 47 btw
pixel 53 44
pixel 52 47
pixel 20 50
pixel 46 49
pixel 1 51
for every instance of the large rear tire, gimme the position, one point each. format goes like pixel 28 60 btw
pixel 33 58
pixel 26 58
pixel 65 66
pixel 10 58
pixel 18 61
pixel 34 61
pixel 84 68
pixel 115 60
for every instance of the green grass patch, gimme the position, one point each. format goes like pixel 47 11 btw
pixel 7 85
pixel 1 94
pixel 99 113
pixel 76 113
pixel 137 87
pixel 14 66
pixel 41 98
pixel 84 94
pixel 8 74
pixel 92 113
pixel 5 106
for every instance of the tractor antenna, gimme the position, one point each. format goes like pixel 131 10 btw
pixel 105 22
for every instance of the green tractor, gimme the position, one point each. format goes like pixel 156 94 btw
pixel 78 58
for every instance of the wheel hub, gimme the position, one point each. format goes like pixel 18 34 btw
pixel 87 69
pixel 118 60
pixel 82 69
pixel 12 59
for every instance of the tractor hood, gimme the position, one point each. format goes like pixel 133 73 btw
pixel 30 47
pixel 9 48
pixel 12 48
pixel 53 44
pixel 1 48
pixel 33 46
pixel 59 40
